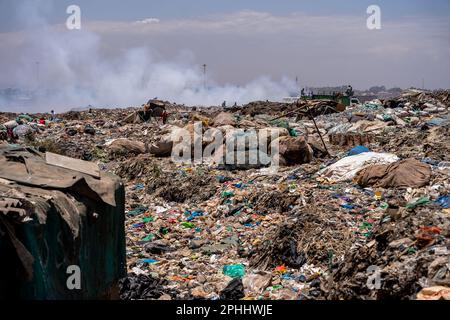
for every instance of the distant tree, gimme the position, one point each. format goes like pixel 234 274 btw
pixel 395 90
pixel 377 89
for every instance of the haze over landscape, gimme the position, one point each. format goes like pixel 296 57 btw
pixel 253 50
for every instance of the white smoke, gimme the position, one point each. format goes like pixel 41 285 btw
pixel 70 69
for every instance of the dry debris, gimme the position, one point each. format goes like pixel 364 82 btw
pixel 303 232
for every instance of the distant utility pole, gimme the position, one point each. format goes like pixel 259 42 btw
pixel 204 76
pixel 423 84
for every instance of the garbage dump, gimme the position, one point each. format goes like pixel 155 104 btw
pixel 357 206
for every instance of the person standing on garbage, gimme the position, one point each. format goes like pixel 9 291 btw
pixel 147 114
pixel 164 117
pixel 349 91
pixel 11 136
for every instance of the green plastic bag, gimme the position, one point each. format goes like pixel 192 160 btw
pixel 419 202
pixel 188 225
pixel 234 270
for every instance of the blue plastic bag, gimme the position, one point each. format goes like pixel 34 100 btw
pixel 357 150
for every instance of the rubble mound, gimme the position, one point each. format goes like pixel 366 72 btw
pixel 314 234
pixel 410 252
pixel 358 188
pixel 276 201
pixel 282 251
pixel 138 166
pixel 179 187
pixel 265 107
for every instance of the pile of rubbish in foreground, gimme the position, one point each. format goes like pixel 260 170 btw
pixel 359 207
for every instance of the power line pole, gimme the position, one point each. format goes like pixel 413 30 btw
pixel 204 76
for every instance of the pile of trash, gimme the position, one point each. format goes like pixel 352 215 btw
pixel 358 208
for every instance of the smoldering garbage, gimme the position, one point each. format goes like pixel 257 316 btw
pixel 314 228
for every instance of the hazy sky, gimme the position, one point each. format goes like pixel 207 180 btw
pixel 322 42
pixel 119 10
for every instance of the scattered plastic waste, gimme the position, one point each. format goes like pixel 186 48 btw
pixel 419 202
pixel 444 201
pixel 357 150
